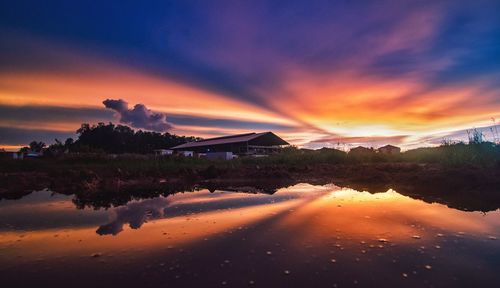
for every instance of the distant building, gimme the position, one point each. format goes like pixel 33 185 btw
pixel 360 150
pixel 163 152
pixel 241 144
pixel 389 149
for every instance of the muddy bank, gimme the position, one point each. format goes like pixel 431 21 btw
pixel 465 188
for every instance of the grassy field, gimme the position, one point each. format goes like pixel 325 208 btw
pixel 482 155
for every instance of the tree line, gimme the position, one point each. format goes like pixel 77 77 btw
pixel 113 139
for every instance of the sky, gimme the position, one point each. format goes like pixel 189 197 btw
pixel 317 73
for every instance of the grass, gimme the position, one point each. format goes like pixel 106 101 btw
pixel 486 155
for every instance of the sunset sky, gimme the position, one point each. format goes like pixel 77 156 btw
pixel 317 73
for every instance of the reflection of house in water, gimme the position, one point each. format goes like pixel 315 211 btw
pixel 241 144
pixel 389 149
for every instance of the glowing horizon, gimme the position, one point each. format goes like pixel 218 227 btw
pixel 316 79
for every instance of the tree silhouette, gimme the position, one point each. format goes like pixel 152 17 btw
pixel 119 139
pixel 37 146
pixel 111 138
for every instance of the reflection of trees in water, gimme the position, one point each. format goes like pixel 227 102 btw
pixel 116 198
pixel 465 199
pixel 136 213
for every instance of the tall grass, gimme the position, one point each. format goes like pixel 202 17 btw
pixel 484 154
pixel 296 157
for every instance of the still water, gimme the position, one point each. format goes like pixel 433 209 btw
pixel 300 236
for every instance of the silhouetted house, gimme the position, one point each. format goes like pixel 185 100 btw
pixel 241 144
pixel 360 150
pixel 389 149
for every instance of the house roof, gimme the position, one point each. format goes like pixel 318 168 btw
pixel 230 139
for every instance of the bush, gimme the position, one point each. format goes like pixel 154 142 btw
pixel 485 154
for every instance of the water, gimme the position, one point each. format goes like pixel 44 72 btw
pixel 301 236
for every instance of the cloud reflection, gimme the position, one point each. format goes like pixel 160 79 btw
pixel 135 214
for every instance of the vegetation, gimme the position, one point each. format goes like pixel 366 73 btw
pixel 482 154
pixel 112 139
pixel 34 146
pixel 99 144
pixel 112 164
pixel 453 167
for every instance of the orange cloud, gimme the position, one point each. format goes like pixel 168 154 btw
pixel 352 105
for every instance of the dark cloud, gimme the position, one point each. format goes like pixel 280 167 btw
pixel 36 116
pixel 18 136
pixel 41 114
pixel 225 123
pixel 45 114
pixel 138 117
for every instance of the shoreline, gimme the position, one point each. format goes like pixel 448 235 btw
pixel 465 188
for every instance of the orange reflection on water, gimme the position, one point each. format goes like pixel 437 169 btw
pixel 361 216
pixel 300 214
pixel 341 234
pixel 156 234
